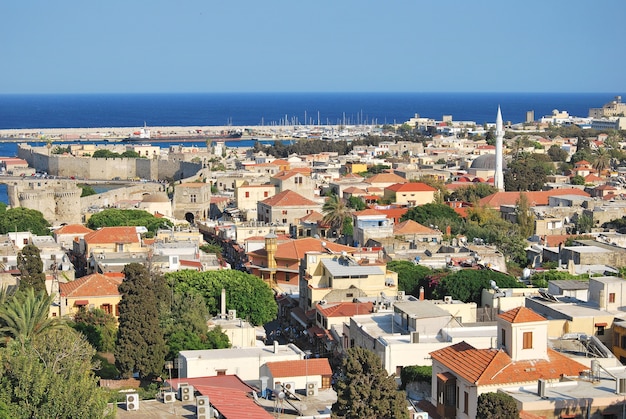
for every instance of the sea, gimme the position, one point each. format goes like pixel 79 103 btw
pixel 275 109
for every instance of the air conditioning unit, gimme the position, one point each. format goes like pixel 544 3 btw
pixel 621 386
pixel 447 299
pixel 290 386
pixel 401 295
pixel 169 397
pixel 420 415
pixel 203 408
pixel 311 389
pixel 185 393
pixel 415 337
pixel 232 314
pixel 541 388
pixel 132 401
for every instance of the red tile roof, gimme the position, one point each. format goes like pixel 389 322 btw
pixel 296 249
pixel 289 198
pixel 113 235
pixel 368 211
pixel 95 285
pixel 495 367
pixel 345 309
pixel 412 227
pixel 411 187
pixel 498 199
pixel 73 229
pixel 386 178
pixel 521 315
pixel 300 368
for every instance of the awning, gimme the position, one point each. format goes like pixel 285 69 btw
pixel 81 302
pixel 601 324
pixel 445 377
pixel 299 316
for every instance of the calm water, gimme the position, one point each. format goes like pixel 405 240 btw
pixel 119 110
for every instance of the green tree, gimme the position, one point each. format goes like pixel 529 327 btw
pixel 467 285
pixel 602 160
pixel 416 373
pixel 584 224
pixel 249 295
pixel 26 315
pixel 24 219
pixel 335 212
pixel 31 269
pixel 496 406
pixel 51 377
pixel 439 215
pixel 473 193
pixel 524 216
pixel 410 275
pixel 98 327
pixel 556 153
pixel 103 153
pixel 140 344
pixel 529 172
pixel 577 180
pixel 131 154
pixel 366 391
pixel 113 217
pixel 87 190
pixel 356 203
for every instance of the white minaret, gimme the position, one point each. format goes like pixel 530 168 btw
pixel 498 177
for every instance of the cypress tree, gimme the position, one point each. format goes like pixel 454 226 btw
pixel 140 344
pixel 31 269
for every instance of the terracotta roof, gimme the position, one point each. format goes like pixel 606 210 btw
pixel 521 315
pixel 288 198
pixel 296 249
pixel 412 227
pixel 299 368
pixel 495 367
pixel 498 199
pixel 286 174
pixel 113 235
pixel 354 190
pixel 95 285
pixel 386 178
pixel 582 163
pixel 368 211
pixel 314 217
pixel 345 309
pixel 411 187
pixel 73 229
pixel 228 395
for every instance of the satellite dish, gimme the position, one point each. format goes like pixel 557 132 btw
pixel 526 273
pixel 323 244
pixel 281 395
pixel 492 284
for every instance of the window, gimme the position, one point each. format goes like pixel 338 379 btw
pixel 466 404
pixel 192 198
pixel 220 372
pixel 611 297
pixel 247 194
pixel 528 340
pixel 266 194
pixel 623 345
pixel 600 331
pixel 503 332
pixel 107 308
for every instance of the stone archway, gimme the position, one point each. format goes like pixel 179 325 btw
pixel 190 218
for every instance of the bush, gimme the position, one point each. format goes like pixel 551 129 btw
pixel 419 373
pixel 496 406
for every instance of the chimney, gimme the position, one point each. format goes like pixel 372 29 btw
pixel 275 346
pixel 421 293
pixel 223 304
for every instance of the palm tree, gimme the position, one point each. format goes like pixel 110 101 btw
pixel 335 212
pixel 602 161
pixel 26 315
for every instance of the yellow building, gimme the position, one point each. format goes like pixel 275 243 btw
pixel 88 293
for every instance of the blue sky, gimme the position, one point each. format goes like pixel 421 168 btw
pixel 125 46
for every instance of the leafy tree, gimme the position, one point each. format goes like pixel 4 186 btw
pixel 577 180
pixel 249 295
pixel 52 377
pixel 104 153
pixel 602 160
pixel 467 285
pixel 584 223
pixel 366 391
pixel 473 192
pixel 140 344
pixel 496 406
pixel 356 203
pixel 439 215
pixel 24 219
pixel 87 190
pixel 31 269
pixel 98 327
pixel 335 212
pixel 413 373
pixel 130 154
pixel 556 153
pixel 525 217
pixel 527 173
pixel 410 275
pixel 541 279
pixel 123 217
pixel 25 316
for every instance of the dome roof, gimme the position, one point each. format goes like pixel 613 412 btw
pixel 156 197
pixel 487 162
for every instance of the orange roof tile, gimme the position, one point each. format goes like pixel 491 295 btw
pixel 498 199
pixel 95 285
pixel 289 198
pixel 495 367
pixel 345 309
pixel 300 368
pixel 411 187
pixel 368 211
pixel 521 315
pixel 296 249
pixel 314 217
pixel 73 229
pixel 412 227
pixel 113 235
pixel 386 178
